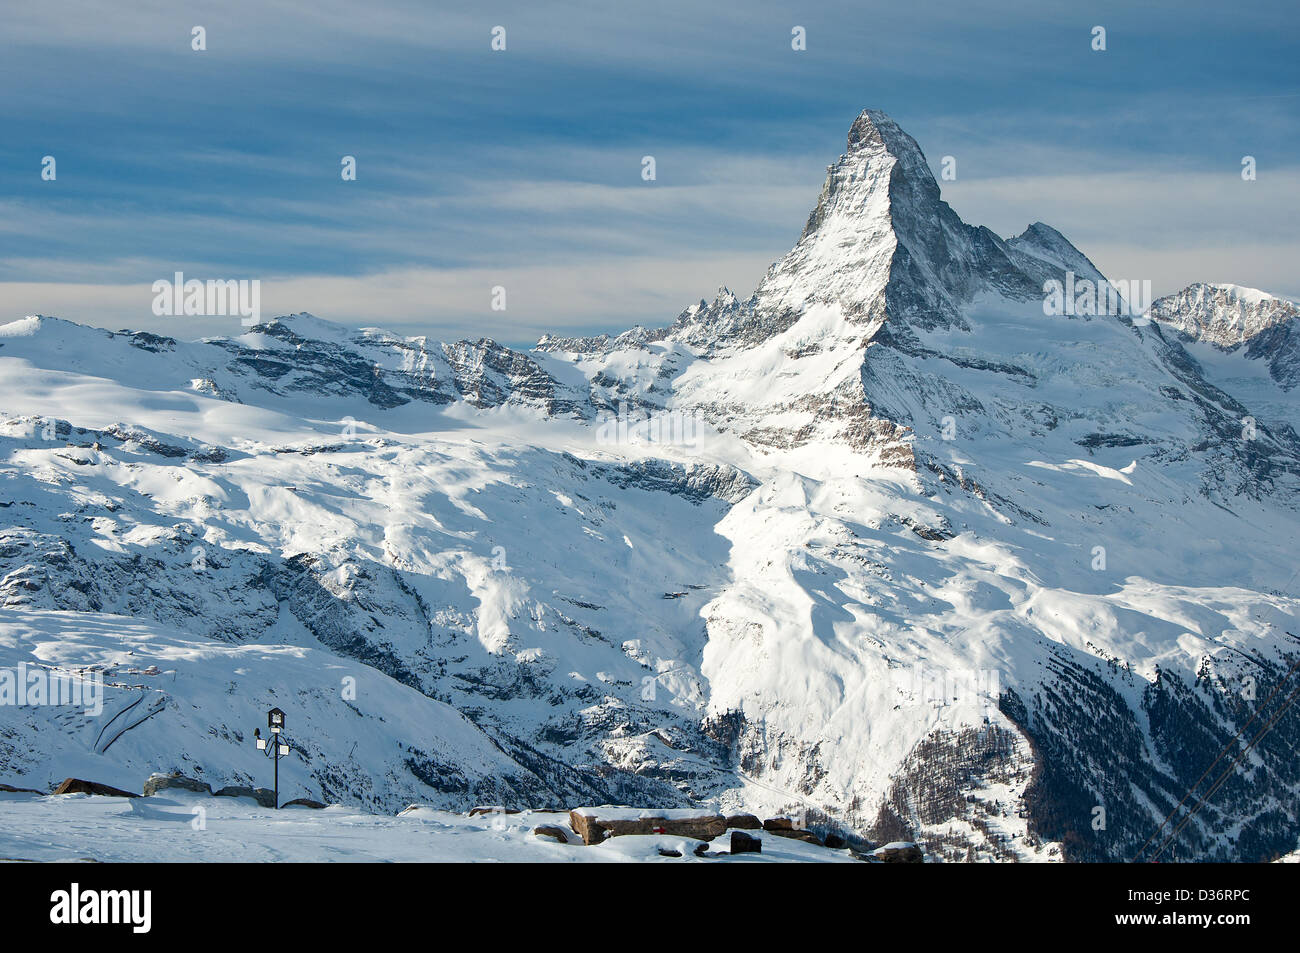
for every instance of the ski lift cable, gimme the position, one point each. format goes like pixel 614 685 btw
pixel 1226 774
pixel 1224 750
pixel 1231 768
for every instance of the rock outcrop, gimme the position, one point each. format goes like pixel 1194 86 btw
pixel 163 782
pixel 79 786
pixel 594 825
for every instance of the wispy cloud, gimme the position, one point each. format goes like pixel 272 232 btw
pixel 522 168
pixel 449 303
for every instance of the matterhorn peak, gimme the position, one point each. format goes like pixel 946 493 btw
pixel 882 166
pixel 873 129
pixel 874 134
pixel 880 224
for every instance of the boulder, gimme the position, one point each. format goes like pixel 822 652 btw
pixel 78 786
pixel 785 827
pixel 475 811
pixel 899 852
pixel 595 824
pixel 161 782
pixel 806 836
pixel 742 843
pixel 794 834
pixel 263 796
pixel 744 822
pixel 304 802
pixel 551 830
pixel 836 841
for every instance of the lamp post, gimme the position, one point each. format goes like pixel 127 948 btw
pixel 273 746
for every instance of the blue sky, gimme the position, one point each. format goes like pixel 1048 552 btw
pixel 522 168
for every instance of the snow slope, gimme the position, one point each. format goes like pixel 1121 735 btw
pixel 198 829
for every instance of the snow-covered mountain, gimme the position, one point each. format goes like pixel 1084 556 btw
pixel 883 541
pixel 1245 341
pixel 1226 316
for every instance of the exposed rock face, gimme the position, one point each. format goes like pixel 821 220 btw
pixel 745 822
pixel 1226 316
pixel 1256 328
pixel 308 356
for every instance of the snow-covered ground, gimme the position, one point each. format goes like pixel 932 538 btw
pixel 179 826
